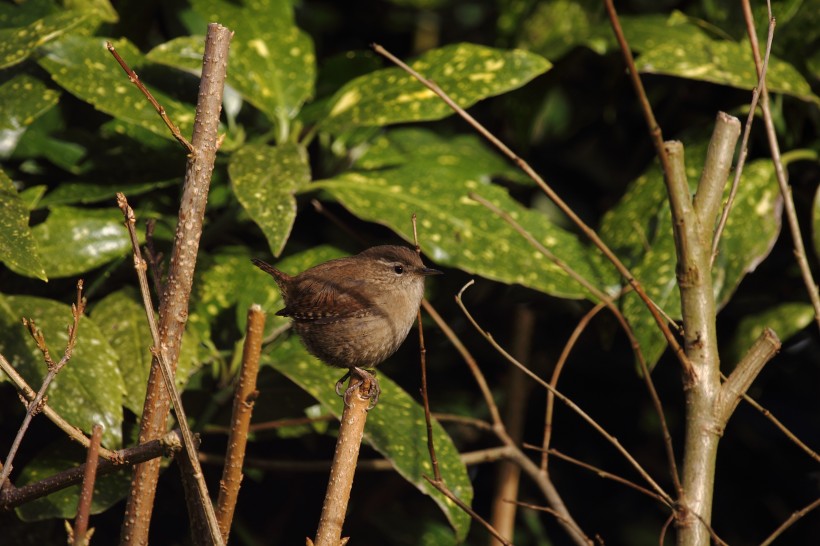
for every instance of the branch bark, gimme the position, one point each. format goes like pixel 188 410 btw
pixel 173 313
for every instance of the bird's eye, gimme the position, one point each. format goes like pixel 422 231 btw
pixel 398 269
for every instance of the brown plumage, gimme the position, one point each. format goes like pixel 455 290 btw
pixel 354 312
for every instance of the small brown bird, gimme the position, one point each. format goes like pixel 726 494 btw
pixel 354 312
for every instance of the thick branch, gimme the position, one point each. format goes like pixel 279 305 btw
pixel 174 305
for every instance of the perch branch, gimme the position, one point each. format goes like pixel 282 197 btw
pixel 343 468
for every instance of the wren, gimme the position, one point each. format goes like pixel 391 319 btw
pixel 354 312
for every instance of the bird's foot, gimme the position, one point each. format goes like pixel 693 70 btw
pixel 359 377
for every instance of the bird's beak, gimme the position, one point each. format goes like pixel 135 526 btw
pixel 427 271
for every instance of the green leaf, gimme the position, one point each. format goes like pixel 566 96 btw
pixel 18 248
pixel 108 489
pixel 785 319
pixel 639 230
pixel 264 180
pixel 273 65
pixel 676 45
pixel 84 67
pixel 16 44
pixel 74 240
pixel 122 319
pixel 69 193
pixel 468 73
pixel 457 231
pixel 395 428
pixel 90 388
pixel 419 146
pixel 22 100
pixel 554 28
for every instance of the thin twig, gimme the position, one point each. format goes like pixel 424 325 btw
pixel 28 395
pixel 546 509
pixel 604 474
pixel 468 358
pixel 132 76
pixel 744 146
pixel 572 405
pixel 776 422
pixel 431 448
pixel 789 522
pixel 168 374
pixel 87 489
pixel 566 209
pixel 779 170
pixel 35 406
pixel 444 490
pixel 556 374
pixel 243 402
pixel 607 301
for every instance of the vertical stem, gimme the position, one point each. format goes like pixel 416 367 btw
pixel 243 402
pixel 174 306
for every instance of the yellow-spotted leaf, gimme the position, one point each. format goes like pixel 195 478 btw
pixel 18 42
pixel 455 230
pixel 468 73
pixel 73 240
pixel 83 66
pixel 273 65
pixel 264 179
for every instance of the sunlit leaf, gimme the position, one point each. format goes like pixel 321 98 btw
pixel 264 179
pixel 73 240
pixel 272 63
pixel 84 67
pixel 468 73
pixel 457 231
pixel 22 100
pixel 16 44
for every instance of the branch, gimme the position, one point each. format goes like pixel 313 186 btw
pixel 35 406
pixel 132 76
pixel 174 302
pixel 12 497
pixel 243 402
pixel 779 170
pixel 345 458
pixel 87 490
